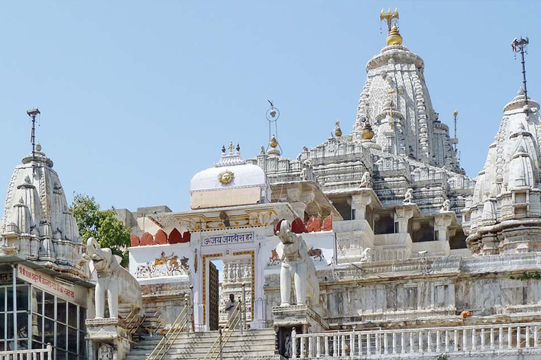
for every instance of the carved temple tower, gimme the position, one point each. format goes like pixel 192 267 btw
pixel 397 138
pixel 396 102
pixel 37 223
pixel 40 253
pixel 504 216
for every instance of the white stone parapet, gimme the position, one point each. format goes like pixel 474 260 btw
pixel 489 341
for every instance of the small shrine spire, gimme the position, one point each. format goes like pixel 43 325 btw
pixel 33 113
pixel 519 45
pixel 391 17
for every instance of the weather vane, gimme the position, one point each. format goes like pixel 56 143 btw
pixel 389 16
pixel 272 116
pixel 519 45
pixel 33 113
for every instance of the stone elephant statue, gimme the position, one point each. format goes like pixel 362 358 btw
pixel 114 282
pixel 298 266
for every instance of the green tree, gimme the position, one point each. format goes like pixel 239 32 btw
pixel 102 225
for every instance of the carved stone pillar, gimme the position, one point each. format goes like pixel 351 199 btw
pixel 359 202
pixel 442 222
pixel 402 215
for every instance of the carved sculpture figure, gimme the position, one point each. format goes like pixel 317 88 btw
pixel 408 197
pixel 296 265
pixel 114 281
pixel 105 352
pixel 366 180
pixel 366 255
pixel 446 206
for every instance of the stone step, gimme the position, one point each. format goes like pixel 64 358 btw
pixel 195 346
pixel 242 344
pixel 247 336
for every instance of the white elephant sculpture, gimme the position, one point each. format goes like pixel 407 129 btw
pixel 114 281
pixel 296 265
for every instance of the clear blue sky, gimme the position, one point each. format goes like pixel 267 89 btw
pixel 138 96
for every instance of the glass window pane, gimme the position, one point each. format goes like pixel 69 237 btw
pixel 9 328
pixel 2 299
pixel 72 315
pixel 22 344
pixel 49 305
pixel 82 344
pixel 9 298
pixel 22 325
pixel 48 332
pixel 2 326
pixel 22 297
pixel 82 317
pixel 37 327
pixel 72 340
pixel 60 336
pixel 61 310
pixel 60 355
pixel 37 300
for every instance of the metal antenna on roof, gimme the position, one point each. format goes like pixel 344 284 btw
pixel 455 140
pixel 33 113
pixel 519 45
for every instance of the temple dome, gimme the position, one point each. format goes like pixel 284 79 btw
pixel 230 182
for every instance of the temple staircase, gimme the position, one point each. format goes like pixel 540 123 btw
pixel 195 346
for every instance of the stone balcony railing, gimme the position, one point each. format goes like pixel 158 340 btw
pixel 488 340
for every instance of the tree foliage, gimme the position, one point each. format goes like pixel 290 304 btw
pixel 102 225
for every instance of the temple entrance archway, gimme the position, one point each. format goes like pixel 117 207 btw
pixel 237 268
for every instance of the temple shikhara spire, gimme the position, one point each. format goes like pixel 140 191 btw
pixel 367 244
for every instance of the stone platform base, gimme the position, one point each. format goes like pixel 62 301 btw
pixel 108 335
pixel 299 316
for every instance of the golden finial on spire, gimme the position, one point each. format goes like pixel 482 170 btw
pixel 393 38
pixel 273 143
pixel 367 133
pixel 337 130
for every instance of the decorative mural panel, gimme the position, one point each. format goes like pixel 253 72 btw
pixel 164 265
